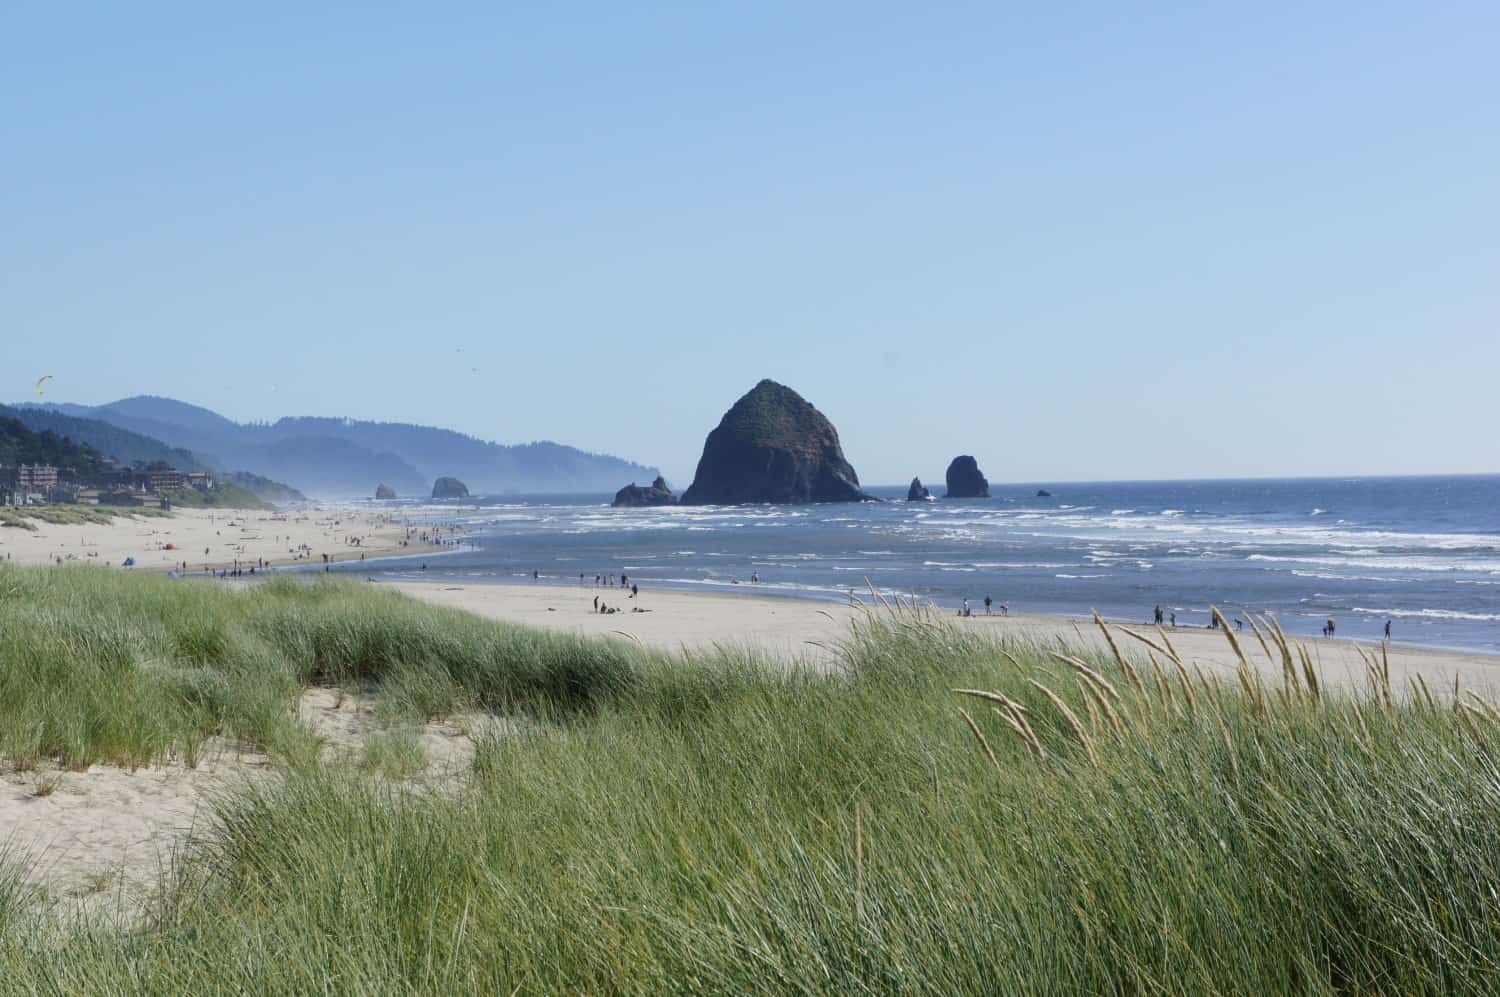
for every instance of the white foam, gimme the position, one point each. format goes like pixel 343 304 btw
pixel 1432 614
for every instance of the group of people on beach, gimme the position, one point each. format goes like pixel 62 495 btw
pixel 989 607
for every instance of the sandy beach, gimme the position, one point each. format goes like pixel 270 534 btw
pixel 223 538
pixel 102 837
pixel 804 628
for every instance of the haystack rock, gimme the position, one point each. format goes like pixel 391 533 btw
pixel 449 488
pixel 965 479
pixel 384 491
pixel 634 496
pixel 917 492
pixel 1043 493
pixel 772 446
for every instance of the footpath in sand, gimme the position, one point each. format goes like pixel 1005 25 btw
pixel 224 538
pixel 792 628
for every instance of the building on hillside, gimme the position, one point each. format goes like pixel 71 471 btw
pixel 164 479
pixel 28 484
pixel 200 481
pixel 40 479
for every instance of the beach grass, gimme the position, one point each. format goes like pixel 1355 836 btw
pixel 942 812
pixel 32 517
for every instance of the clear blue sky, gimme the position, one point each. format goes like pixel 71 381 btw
pixel 1078 241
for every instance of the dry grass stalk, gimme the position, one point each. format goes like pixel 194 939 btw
pixel 1143 639
pixel 1071 718
pixel 1288 667
pixel 1229 635
pixel 1234 759
pixel 1088 702
pixel 1163 687
pixel 1166 642
pixel 1490 713
pixel 1105 706
pixel 1020 724
pixel 979 734
pixel 1091 673
pixel 1023 731
pixel 994 697
pixel 1420 692
pixel 1125 665
pixel 1309 673
pixel 1266 648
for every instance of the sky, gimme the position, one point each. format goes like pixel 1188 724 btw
pixel 1078 241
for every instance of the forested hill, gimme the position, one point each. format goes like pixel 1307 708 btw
pixel 123 445
pixel 19 444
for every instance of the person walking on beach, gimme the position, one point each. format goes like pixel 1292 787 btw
pixel 987 603
pixel 1158 614
pixel 536 576
pixel 966 606
pixel 596 604
pixel 635 590
pixel 1387 629
pixel 1174 621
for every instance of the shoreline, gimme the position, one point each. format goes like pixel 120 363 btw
pixel 1082 618
pixel 804 629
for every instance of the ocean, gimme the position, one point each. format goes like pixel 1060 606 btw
pixel 1421 552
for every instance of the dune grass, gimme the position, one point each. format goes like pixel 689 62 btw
pixel 727 825
pixel 32 517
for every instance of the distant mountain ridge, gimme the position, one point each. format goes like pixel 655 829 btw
pixel 346 457
pixel 124 445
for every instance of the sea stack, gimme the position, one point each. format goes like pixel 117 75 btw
pixel 634 496
pixel 917 492
pixel 384 491
pixel 965 479
pixel 773 446
pixel 449 488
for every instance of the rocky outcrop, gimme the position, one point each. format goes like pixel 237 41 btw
pixel 634 496
pixel 965 479
pixel 1043 493
pixel 384 491
pixel 917 492
pixel 449 488
pixel 773 446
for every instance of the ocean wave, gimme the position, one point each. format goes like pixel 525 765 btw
pixel 1080 576
pixel 1327 577
pixel 1431 614
pixel 1413 563
pixel 1121 512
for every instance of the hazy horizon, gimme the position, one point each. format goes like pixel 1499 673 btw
pixel 1085 244
pixel 934 479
